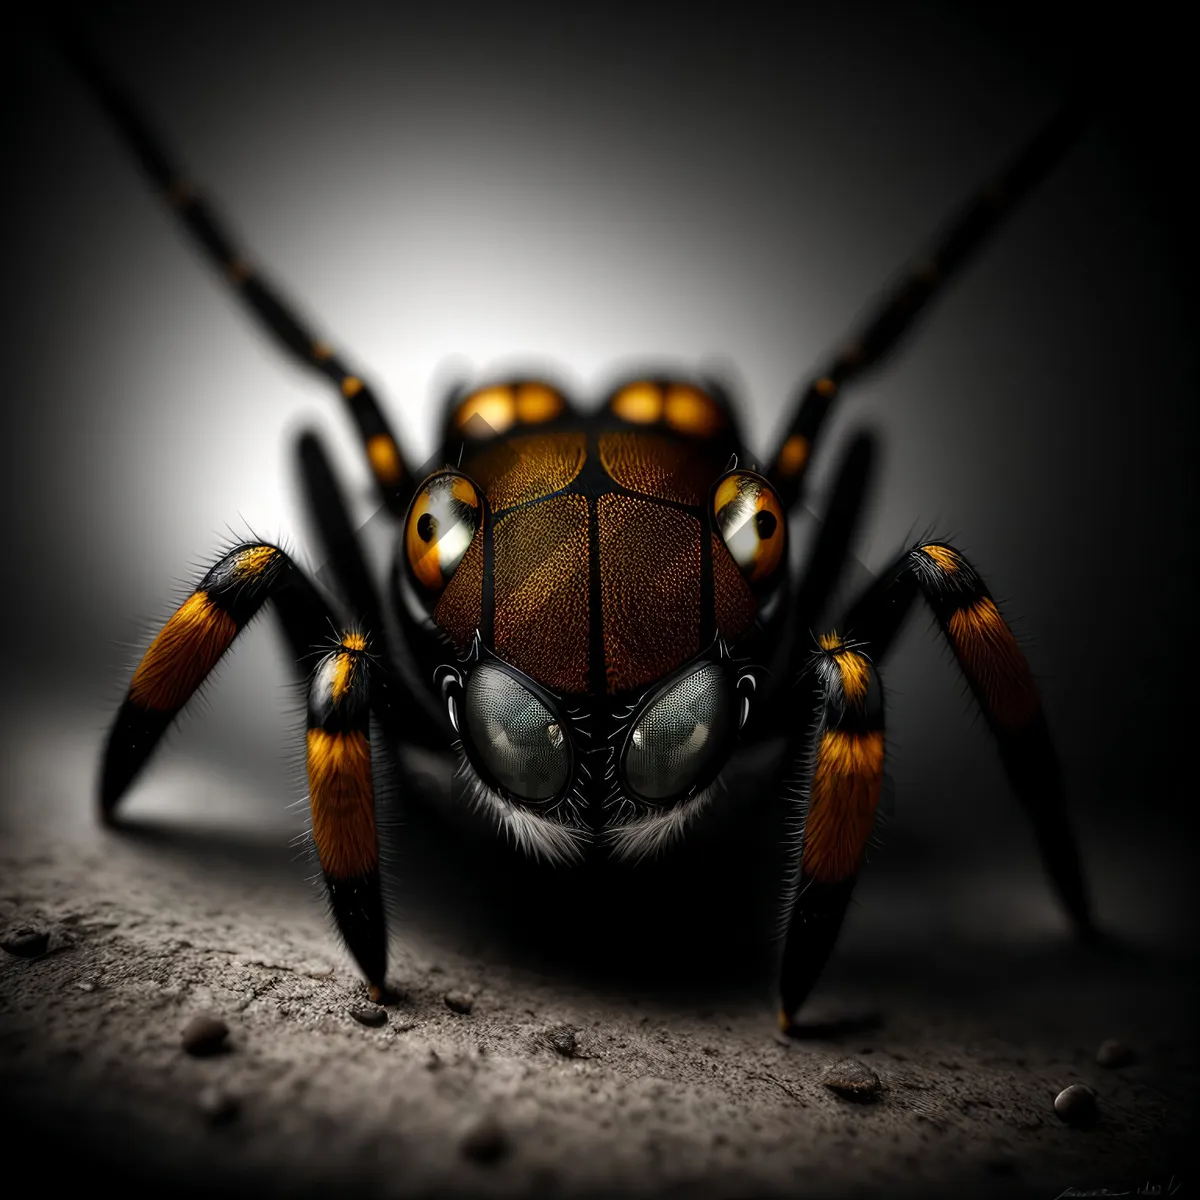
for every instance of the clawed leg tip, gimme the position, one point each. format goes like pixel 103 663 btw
pixel 380 993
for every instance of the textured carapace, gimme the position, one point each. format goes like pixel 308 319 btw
pixel 600 565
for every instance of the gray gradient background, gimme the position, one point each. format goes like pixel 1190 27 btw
pixel 449 192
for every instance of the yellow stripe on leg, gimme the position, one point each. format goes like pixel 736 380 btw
pixel 185 650
pixel 343 802
pixel 994 663
pixel 841 810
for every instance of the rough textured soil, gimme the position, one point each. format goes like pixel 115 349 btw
pixel 496 1075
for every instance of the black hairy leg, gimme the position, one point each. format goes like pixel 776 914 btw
pixel 393 476
pixel 1001 682
pixel 891 317
pixel 837 773
pixel 342 684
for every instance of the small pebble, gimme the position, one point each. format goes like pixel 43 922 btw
pixel 851 1079
pixel 486 1141
pixel 373 1017
pixel 563 1041
pixel 459 1002
pixel 218 1106
pixel 1114 1053
pixel 205 1034
pixel 1076 1104
pixel 26 942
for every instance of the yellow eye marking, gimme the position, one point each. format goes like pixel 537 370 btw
pixel 486 412
pixel 690 410
pixel 751 523
pixel 639 403
pixel 537 403
pixel 794 454
pixel 351 386
pixel 384 458
pixel 445 516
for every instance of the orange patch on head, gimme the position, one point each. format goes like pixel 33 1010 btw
pixel 185 650
pixel 486 412
pixel 384 458
pixel 641 403
pixel 342 797
pixel 537 403
pixel 794 454
pixel 841 810
pixel 994 664
pixel 691 411
pixel 255 560
pixel 944 557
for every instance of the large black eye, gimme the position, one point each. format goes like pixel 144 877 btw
pixel 680 737
pixel 517 738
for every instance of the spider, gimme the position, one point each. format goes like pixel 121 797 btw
pixel 592 605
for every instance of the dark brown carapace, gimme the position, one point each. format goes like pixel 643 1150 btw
pixel 596 562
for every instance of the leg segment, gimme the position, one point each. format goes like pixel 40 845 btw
pixel 342 795
pixel 327 511
pixel 1002 684
pixel 193 640
pixel 890 318
pixel 341 696
pixel 841 771
pixel 392 476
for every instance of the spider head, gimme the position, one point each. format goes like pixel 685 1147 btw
pixel 595 685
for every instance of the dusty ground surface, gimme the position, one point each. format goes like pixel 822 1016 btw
pixel 961 994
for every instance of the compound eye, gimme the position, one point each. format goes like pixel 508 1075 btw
pixel 752 525
pixel 442 521
pixel 517 739
pixel 679 740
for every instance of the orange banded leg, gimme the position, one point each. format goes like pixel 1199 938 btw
pixel 192 641
pixel 842 776
pixel 342 797
pixel 890 318
pixel 999 678
pixel 393 477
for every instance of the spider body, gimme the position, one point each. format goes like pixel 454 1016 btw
pixel 592 603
